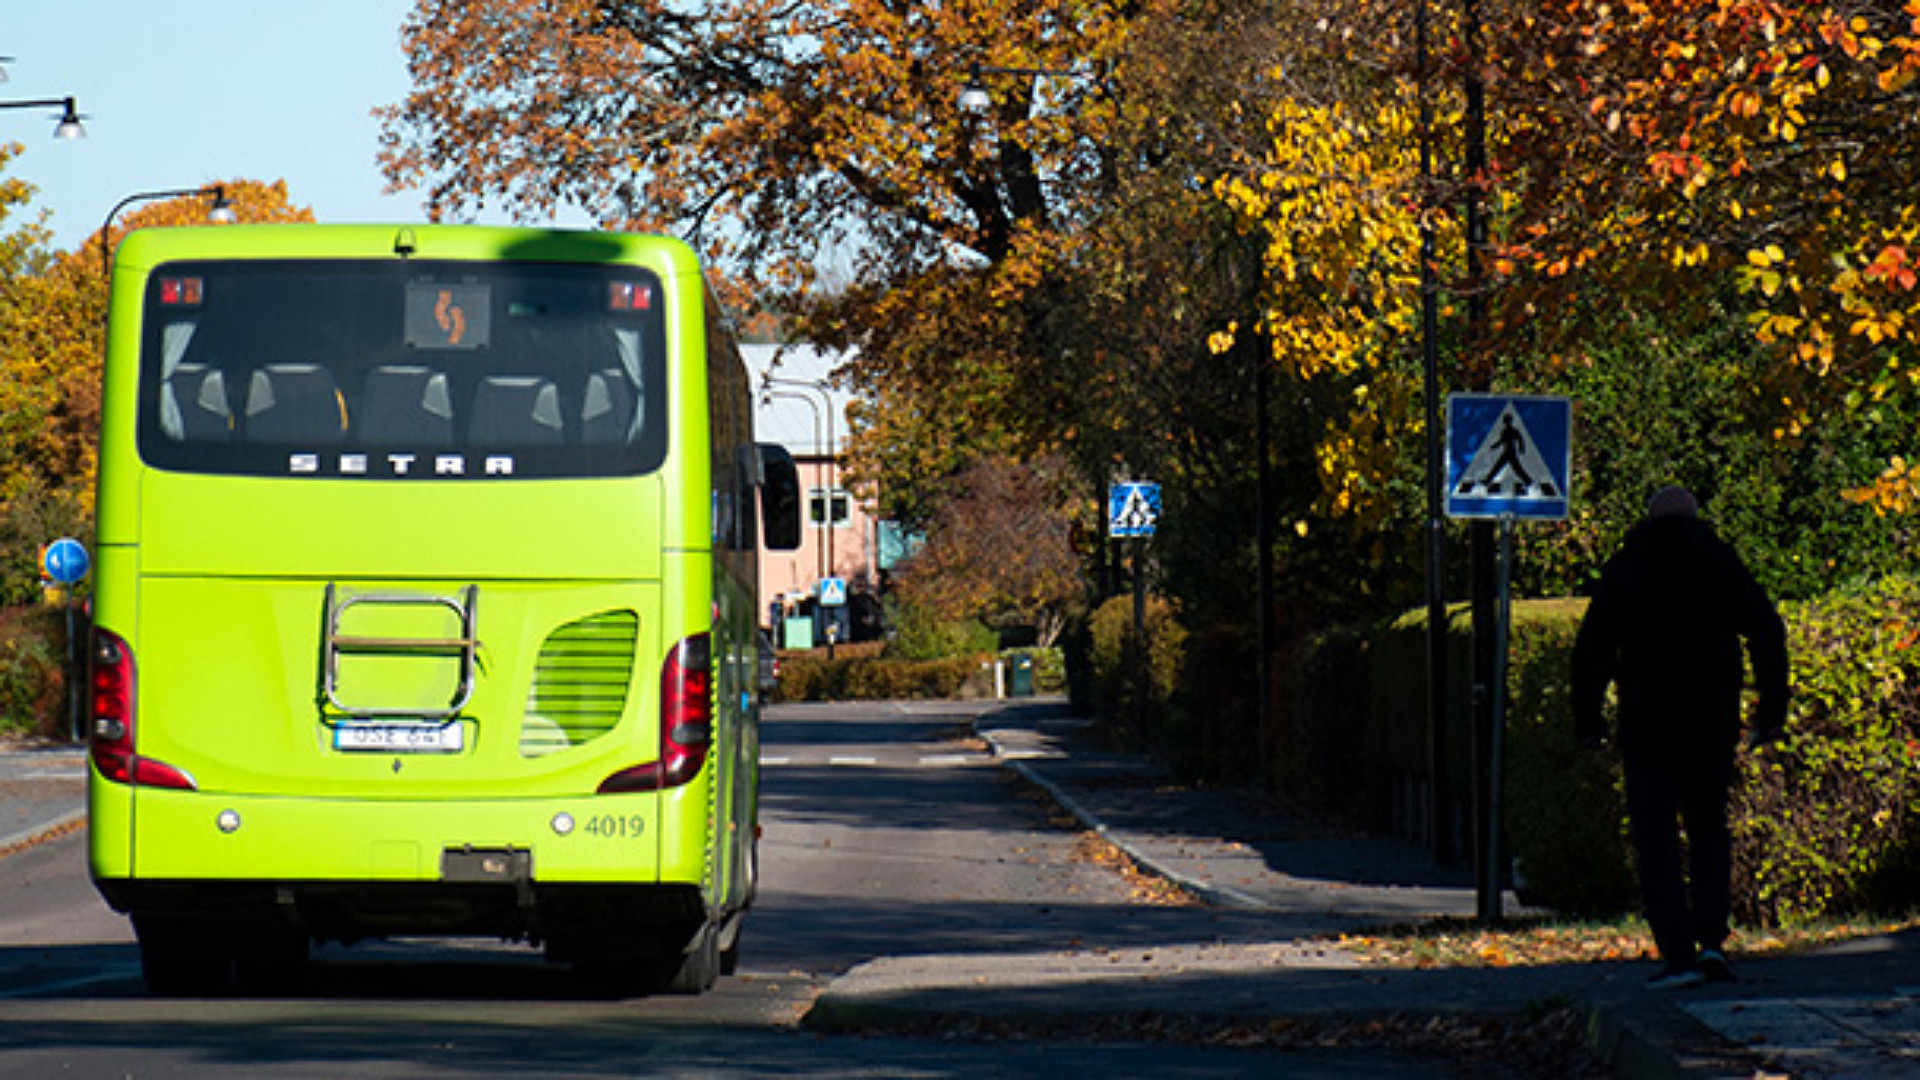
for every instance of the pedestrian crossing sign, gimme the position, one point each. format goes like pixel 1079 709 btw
pixel 833 591
pixel 1133 509
pixel 1508 456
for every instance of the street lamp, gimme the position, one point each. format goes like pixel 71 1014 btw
pixel 69 127
pixel 976 98
pixel 768 395
pixel 220 213
pixel 831 500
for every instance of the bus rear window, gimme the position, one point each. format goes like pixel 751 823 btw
pixel 403 370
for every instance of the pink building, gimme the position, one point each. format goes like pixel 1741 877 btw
pixel 795 407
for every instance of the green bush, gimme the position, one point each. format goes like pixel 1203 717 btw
pixel 1115 670
pixel 1565 811
pixel 920 634
pixel 812 677
pixel 1321 757
pixel 32 685
pixel 1826 822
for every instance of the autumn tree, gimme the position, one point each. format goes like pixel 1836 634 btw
pixel 1763 145
pixel 1001 551
pixel 52 326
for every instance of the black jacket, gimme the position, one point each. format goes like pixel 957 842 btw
pixel 1666 625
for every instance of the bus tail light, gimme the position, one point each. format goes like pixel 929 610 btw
pixel 686 721
pixel 113 681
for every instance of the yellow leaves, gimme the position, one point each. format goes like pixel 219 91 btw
pixel 1895 491
pixel 1762 270
pixel 1220 341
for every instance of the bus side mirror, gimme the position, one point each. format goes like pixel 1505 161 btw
pixel 779 497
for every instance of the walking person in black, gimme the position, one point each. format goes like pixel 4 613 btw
pixel 1666 626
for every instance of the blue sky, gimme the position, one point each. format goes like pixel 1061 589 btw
pixel 178 95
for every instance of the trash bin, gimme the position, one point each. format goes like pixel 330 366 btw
pixel 1021 684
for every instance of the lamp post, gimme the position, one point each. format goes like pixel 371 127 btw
pixel 220 213
pixel 1440 786
pixel 831 500
pixel 69 126
pixel 784 395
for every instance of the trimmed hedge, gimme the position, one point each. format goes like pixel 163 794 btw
pixel 858 674
pixel 1828 820
pixel 812 677
pixel 1114 667
pixel 1824 823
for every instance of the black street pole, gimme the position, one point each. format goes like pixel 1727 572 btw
pixel 1487 691
pixel 1440 789
pixel 1263 531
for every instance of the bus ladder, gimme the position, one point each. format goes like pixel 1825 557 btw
pixel 464 648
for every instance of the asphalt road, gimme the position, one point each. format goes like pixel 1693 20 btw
pixel 888 833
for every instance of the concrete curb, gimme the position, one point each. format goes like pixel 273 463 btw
pixel 1218 895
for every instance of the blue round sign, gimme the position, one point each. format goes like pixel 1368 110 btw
pixel 66 561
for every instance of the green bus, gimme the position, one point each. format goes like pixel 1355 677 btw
pixel 424 600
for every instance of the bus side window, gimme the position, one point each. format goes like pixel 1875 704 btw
pixel 295 405
pixel 515 411
pixel 405 405
pixel 194 405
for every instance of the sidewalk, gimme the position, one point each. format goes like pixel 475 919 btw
pixel 1850 1011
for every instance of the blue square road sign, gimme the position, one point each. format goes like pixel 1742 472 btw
pixel 1508 456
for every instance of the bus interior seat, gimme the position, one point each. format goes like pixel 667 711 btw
pixel 194 406
pixel 606 412
pixel 405 405
pixel 516 411
pixel 295 405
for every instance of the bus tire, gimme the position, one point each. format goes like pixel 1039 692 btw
pixel 696 970
pixel 272 962
pixel 177 961
pixel 730 945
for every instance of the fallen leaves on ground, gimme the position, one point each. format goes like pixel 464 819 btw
pixel 1548 1041
pixel 1444 943
pixel 1143 887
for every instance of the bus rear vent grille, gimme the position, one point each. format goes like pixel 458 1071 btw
pixel 580 683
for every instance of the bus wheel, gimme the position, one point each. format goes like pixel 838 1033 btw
pixel 696 970
pixel 273 962
pixel 176 961
pixel 730 945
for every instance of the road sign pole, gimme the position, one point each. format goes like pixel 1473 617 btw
pixel 1508 457
pixel 1141 653
pixel 1493 874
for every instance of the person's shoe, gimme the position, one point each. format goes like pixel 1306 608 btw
pixel 1676 978
pixel 1713 966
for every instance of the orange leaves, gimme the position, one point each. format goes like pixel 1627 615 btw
pixel 1895 267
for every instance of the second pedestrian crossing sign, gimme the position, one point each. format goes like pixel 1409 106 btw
pixel 1508 456
pixel 1133 509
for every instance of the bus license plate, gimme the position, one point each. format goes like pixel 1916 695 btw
pixel 400 738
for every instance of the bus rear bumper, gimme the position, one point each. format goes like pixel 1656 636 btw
pixel 573 920
pixel 586 870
